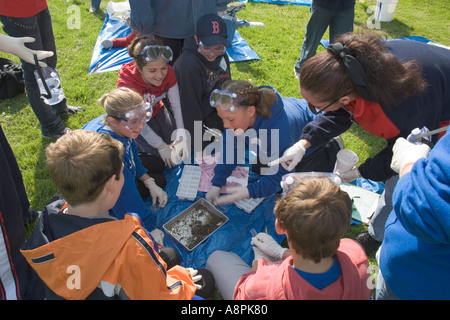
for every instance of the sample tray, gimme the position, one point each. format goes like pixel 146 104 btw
pixel 195 224
pixel 248 204
pixel 189 181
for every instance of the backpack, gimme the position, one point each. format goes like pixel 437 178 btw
pixel 11 79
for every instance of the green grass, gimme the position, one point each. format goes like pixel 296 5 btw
pixel 278 46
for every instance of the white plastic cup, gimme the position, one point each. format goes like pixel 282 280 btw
pixel 345 161
pixel 384 11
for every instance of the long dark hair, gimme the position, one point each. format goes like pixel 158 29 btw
pixel 389 80
pixel 262 98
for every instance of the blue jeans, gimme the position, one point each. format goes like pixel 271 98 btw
pixel 339 22
pixel 40 28
pixel 95 3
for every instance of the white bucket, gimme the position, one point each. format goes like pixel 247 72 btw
pixel 384 10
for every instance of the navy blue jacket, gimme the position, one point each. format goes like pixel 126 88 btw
pixel 429 108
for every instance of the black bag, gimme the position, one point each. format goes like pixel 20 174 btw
pixel 11 79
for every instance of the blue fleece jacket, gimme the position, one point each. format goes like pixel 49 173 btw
pixel 415 253
pixel 129 199
pixel 284 127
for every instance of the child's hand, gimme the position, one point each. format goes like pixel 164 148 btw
pixel 268 245
pixel 195 277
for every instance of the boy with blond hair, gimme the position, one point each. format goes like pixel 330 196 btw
pixel 319 263
pixel 78 249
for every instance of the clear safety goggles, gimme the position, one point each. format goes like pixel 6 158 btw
pixel 133 118
pixel 223 99
pixel 215 49
pixel 154 52
pixel 49 84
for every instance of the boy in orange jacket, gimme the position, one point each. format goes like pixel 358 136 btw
pixel 79 250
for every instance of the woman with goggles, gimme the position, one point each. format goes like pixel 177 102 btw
pixel 277 122
pixel 162 142
pixel 126 115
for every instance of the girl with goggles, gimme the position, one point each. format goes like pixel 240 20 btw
pixel 126 114
pixel 267 124
pixel 151 75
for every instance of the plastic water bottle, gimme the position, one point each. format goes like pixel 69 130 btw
pixel 415 133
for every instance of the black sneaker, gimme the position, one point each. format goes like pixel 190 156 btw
pixel 57 135
pixel 73 110
pixel 368 243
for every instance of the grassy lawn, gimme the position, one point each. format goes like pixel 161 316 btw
pixel 278 46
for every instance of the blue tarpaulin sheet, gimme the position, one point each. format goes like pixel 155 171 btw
pixel 104 60
pixel 233 236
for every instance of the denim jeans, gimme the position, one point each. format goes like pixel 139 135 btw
pixel 339 22
pixel 40 28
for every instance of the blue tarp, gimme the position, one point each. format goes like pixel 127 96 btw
pixel 104 60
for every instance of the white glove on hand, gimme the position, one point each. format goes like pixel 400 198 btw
pixel 291 157
pixel 234 194
pixel 213 194
pixel 195 277
pixel 350 175
pixel 156 192
pixel 180 151
pixel 107 44
pixel 165 153
pixel 268 245
pixel 158 235
pixel 16 46
pixel 405 152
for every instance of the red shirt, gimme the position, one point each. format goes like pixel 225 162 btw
pixel 21 8
pixel 130 77
pixel 371 117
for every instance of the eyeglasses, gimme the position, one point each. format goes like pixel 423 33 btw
pixel 215 49
pixel 316 110
pixel 133 118
pixel 154 52
pixel 223 99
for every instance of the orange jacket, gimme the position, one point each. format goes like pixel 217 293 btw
pixel 116 256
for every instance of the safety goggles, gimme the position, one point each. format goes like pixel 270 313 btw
pixel 223 99
pixel 155 52
pixel 133 118
pixel 215 49
pixel 49 84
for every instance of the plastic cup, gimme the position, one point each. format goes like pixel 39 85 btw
pixel 345 161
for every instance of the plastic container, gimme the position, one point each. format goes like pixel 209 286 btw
pixel 189 182
pixel 384 11
pixel 248 204
pixel 290 180
pixel 195 224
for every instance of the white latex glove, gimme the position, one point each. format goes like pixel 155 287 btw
pixel 180 151
pixel 195 277
pixel 158 235
pixel 16 46
pixel 213 194
pixel 291 157
pixel 156 192
pixel 260 254
pixel 268 245
pixel 107 43
pixel 350 175
pixel 405 152
pixel 165 153
pixel 234 194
